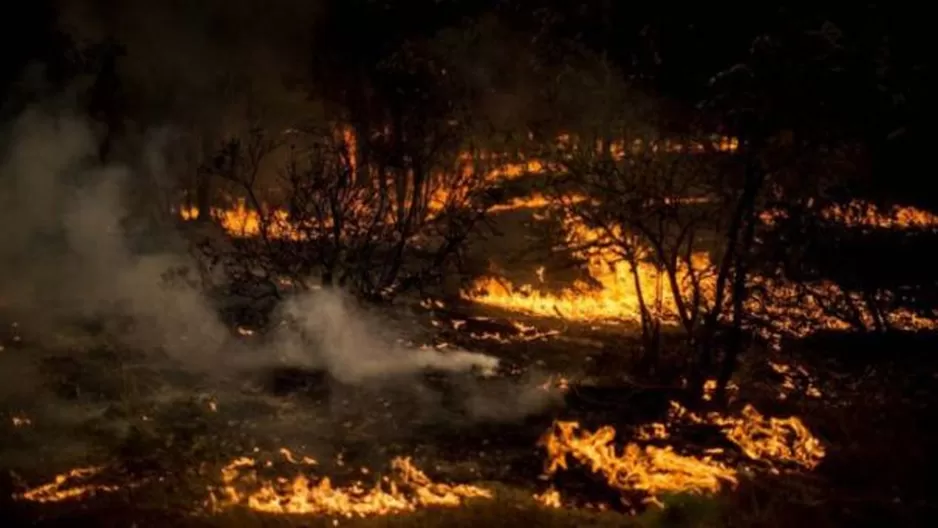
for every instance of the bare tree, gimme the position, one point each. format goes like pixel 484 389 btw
pixel 377 232
pixel 656 205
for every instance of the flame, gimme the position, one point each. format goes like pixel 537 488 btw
pixel 654 470
pixel 783 308
pixel 243 222
pixel 768 439
pixel 650 470
pixel 790 380
pixel 550 498
pixel 784 439
pixel 800 309
pixel 614 297
pixel 858 213
pixel 450 188
pixel 407 489
pixel 71 485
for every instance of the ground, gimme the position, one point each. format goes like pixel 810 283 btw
pixel 871 420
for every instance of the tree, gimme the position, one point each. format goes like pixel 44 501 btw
pixel 797 103
pixel 381 197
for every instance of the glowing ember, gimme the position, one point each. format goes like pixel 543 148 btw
pixel 710 387
pixel 653 431
pixel 556 383
pixel 549 499
pixel 406 489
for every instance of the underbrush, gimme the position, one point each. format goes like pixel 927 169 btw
pixel 174 433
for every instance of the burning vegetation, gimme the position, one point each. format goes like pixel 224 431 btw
pixel 407 489
pixel 629 278
pixel 463 261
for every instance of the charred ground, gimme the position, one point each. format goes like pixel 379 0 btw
pixel 863 415
pixel 657 220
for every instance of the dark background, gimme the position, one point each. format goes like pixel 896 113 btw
pixel 880 80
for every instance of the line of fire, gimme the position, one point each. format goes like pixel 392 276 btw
pixel 446 263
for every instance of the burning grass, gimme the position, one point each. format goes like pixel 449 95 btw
pixel 610 292
pixel 645 471
pixel 656 464
pixel 650 470
pixel 777 309
pixel 659 460
pixel 691 461
pixel 407 489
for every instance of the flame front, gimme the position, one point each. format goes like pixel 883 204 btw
pixel 785 308
pixel 71 485
pixel 650 471
pixel 655 470
pixel 407 489
pixel 768 439
pixel 613 297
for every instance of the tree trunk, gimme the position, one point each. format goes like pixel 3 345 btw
pixel 651 325
pixel 754 179
pixel 203 183
pixel 739 293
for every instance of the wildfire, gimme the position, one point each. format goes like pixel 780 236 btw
pixel 71 485
pixel 550 498
pixel 768 439
pixel 654 470
pixel 614 294
pixel 647 470
pixel 857 213
pixel 784 308
pixel 406 489
pixel 242 221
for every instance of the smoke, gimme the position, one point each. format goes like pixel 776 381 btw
pixel 69 263
pixel 67 255
pixel 349 343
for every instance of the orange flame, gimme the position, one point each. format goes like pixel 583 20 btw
pixel 613 298
pixel 659 470
pixel 654 470
pixel 407 489
pixel 71 485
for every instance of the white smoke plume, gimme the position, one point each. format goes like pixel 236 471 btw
pixel 68 255
pixel 348 343
pixel 66 252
